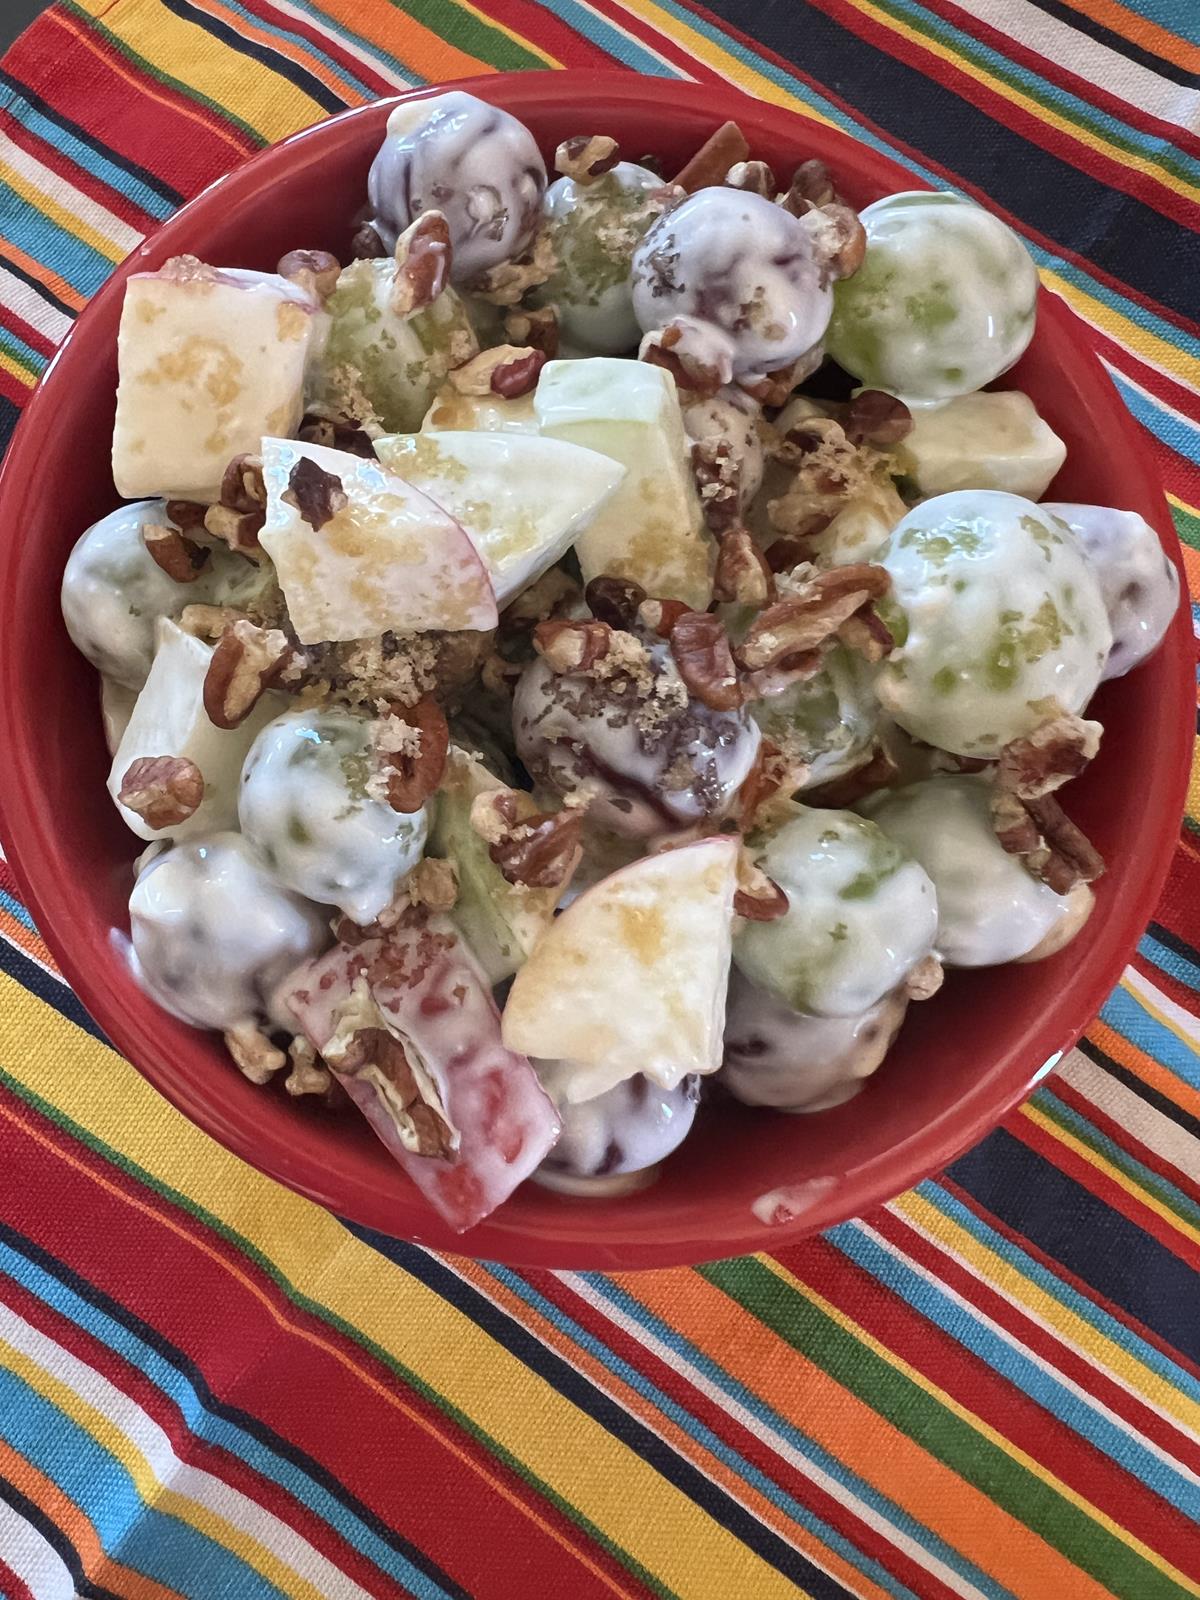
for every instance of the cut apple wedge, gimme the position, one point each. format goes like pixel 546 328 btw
pixel 408 1026
pixel 522 499
pixel 632 976
pixel 360 552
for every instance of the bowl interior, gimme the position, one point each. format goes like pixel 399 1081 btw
pixel 960 1063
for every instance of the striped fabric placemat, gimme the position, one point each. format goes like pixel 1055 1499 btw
pixel 989 1388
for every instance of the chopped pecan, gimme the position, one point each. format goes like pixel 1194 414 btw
pixel 254 1053
pixel 879 771
pixel 554 592
pixel 571 646
pixel 376 1051
pixel 314 270
pixel 187 515
pixel 244 664
pixel 337 433
pixel 540 851
pixel 784 554
pixel 316 494
pixel 718 475
pixel 614 600
pixel 238 530
pixel 705 661
pixel 807 617
pixel 586 157
pixel 1053 848
pixel 242 486
pixel 867 634
pixel 766 682
pixel 163 790
pixel 307 1076
pixel 753 177
pixel 695 354
pixel 839 238
pixel 424 255
pixel 433 883
pixel 925 979
pixel 757 897
pixel 508 370
pixel 366 245
pixel 507 283
pixel 495 812
pixel 660 616
pixel 875 417
pixel 811 186
pixel 720 151
pixel 774 388
pixel 179 557
pixel 210 622
pixel 742 576
pixel 415 770
pixel 773 779
pixel 1050 756
pixel 535 329
pixel 814 436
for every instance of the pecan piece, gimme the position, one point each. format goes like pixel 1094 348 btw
pixel 753 177
pixel 772 777
pixel 1053 848
pixel 839 238
pixel 571 646
pixel 614 601
pixel 811 186
pixel 239 517
pixel 178 556
pixel 541 851
pixel 697 356
pixel 247 659
pixel 337 433
pixel 415 769
pixel 879 771
pixel 257 1058
pixel 875 417
pixel 316 494
pixel 660 616
pixel 242 486
pixel 508 370
pixel 163 790
pixel 377 1051
pixel 867 634
pixel 424 255
pixel 1050 756
pixel 187 515
pixel 535 328
pixel 307 1076
pixel 703 656
pixel 720 151
pixel 742 576
pixel 925 979
pixel 806 619
pixel 210 622
pixel 366 245
pixel 314 270
pixel 757 897
pixel 718 475
pixel 774 388
pixel 586 157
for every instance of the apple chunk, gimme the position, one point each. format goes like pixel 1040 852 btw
pixel 632 976
pixel 359 551
pixel 407 1025
pixel 498 486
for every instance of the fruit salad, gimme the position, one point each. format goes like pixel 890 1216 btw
pixel 599 653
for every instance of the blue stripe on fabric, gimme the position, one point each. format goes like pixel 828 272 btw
pixel 211 1428
pixel 86 157
pixel 84 268
pixel 697 1430
pixel 369 47
pixel 13 345
pixel 314 86
pixel 1173 429
pixel 17 910
pixel 162 1546
pixel 772 1422
pixel 1173 962
pixel 610 38
pixel 1124 1012
pixel 1119 1333
pixel 967 1329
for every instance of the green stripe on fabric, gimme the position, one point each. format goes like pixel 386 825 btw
pixel 910 1408
pixel 223 113
pixel 1141 1176
pixel 1187 526
pixel 472 34
pixel 331 1319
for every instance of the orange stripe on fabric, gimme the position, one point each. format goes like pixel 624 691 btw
pixel 290 51
pixel 115 62
pixel 44 274
pixel 866 1443
pixel 416 46
pixel 1157 1077
pixel 62 1512
pixel 1140 30
pixel 17 933
pixel 288 1325
pixel 630 1400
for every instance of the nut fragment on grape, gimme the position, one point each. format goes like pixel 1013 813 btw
pixel 246 661
pixel 163 790
pixel 586 157
pixel 181 558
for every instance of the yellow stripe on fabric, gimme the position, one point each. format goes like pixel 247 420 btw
pixel 1094 1159
pixel 68 221
pixel 1006 1277
pixel 984 1429
pixel 265 100
pixel 497 26
pixel 577 1458
pixel 1142 990
pixel 18 369
pixel 150 1487
pixel 972 69
pixel 1158 352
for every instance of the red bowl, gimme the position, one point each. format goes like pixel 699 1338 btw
pixel 961 1063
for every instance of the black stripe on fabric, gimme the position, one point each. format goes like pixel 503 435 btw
pixel 1173 942
pixel 234 1415
pixel 85 1589
pixel 45 294
pixel 581 1392
pixel 273 60
pixel 10 414
pixel 1122 1262
pixel 1126 238
pixel 1082 23
pixel 22 91
pixel 1144 1091
pixel 54 991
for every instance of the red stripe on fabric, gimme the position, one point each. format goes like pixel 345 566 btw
pixel 999 1404
pixel 661 43
pixel 1165 982
pixel 1036 1338
pixel 12 1587
pixel 328 43
pixel 1123 1137
pixel 1088 1291
pixel 203 1454
pixel 541 25
pixel 12 388
pixel 113 200
pixel 1074 150
pixel 1162 385
pixel 1053 246
pixel 1057 73
pixel 295 1356
pixel 753 1446
pixel 28 334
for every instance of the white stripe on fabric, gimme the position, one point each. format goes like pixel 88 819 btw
pixel 40 1568
pixel 16 295
pixel 67 197
pixel 1128 1110
pixel 365 56
pixel 1169 1012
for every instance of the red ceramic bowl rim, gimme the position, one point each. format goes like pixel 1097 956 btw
pixel 26 819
